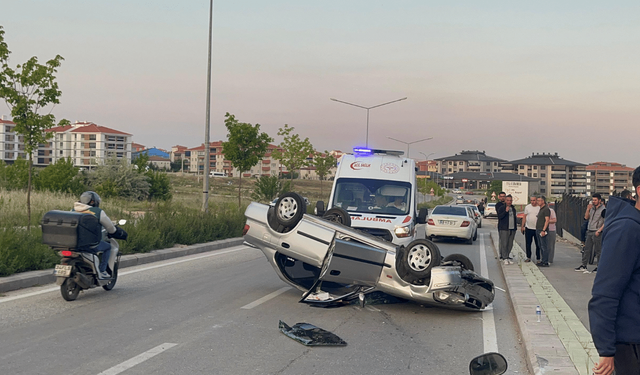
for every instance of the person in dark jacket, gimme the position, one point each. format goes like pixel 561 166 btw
pixel 507 225
pixel 614 308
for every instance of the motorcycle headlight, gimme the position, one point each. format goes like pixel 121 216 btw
pixel 403 231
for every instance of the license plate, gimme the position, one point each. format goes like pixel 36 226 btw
pixel 62 270
pixel 447 222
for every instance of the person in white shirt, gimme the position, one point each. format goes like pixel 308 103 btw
pixel 528 227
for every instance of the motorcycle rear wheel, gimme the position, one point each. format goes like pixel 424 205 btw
pixel 112 283
pixel 70 290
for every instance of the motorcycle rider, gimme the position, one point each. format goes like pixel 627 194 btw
pixel 90 203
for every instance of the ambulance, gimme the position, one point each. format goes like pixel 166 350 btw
pixel 378 189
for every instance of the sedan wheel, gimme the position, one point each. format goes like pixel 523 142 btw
pixel 289 209
pixel 420 256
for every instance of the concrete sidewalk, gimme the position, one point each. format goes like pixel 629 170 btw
pixel 33 278
pixel 560 343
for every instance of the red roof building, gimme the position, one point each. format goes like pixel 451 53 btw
pixel 606 178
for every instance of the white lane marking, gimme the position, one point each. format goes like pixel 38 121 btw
pixel 371 308
pixel 53 289
pixel 500 289
pixel 265 298
pixel 489 335
pixel 124 366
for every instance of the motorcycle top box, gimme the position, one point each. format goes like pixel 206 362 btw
pixel 71 230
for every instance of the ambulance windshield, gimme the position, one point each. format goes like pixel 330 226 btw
pixel 372 196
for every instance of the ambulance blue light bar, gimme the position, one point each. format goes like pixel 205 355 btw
pixel 370 151
pixel 361 150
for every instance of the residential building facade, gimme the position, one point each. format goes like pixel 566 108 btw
pixel 557 175
pixel 11 144
pixel 607 178
pixel 469 161
pixel 86 143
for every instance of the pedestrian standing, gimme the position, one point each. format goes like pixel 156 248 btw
pixel 507 225
pixel 593 240
pixel 614 309
pixel 551 237
pixel 481 207
pixel 529 228
pixel 542 227
pixel 500 205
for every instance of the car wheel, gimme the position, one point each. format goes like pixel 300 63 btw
pixel 338 215
pixel 460 260
pixel 289 209
pixel 419 257
pixel 480 225
pixel 469 241
pixel 475 235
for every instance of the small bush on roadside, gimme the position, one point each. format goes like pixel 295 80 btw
pixel 23 251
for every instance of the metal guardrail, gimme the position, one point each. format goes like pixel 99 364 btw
pixel 570 212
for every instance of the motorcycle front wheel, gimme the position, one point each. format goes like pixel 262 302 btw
pixel 112 283
pixel 70 290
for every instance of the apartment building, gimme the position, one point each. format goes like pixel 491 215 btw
pixel 469 161
pixel 217 163
pixel 557 175
pixel 11 144
pixel 86 143
pixel 606 178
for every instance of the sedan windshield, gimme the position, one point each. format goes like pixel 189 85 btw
pixel 372 196
pixel 450 210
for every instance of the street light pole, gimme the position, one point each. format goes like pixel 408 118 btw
pixel 410 143
pixel 205 187
pixel 367 108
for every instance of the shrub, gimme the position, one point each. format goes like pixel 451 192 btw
pixel 267 188
pixel 23 250
pixel 118 178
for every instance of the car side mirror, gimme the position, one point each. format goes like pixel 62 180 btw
pixel 488 364
pixel 422 215
pixel 319 211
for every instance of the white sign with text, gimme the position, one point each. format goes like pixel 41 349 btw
pixel 518 189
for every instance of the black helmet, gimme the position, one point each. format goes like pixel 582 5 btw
pixel 91 198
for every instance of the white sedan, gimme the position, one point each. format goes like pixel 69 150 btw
pixel 452 222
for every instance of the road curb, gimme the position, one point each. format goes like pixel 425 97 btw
pixel 545 352
pixel 41 277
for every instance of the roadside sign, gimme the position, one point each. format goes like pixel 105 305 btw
pixel 519 190
pixel 465 180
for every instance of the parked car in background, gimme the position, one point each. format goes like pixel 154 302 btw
pixel 476 213
pixel 459 199
pixel 452 222
pixel 490 210
pixel 456 191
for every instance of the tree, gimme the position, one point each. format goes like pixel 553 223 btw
pixel 16 175
pixel 323 162
pixel 28 89
pixel 425 185
pixel 141 162
pixel 117 178
pixel 495 187
pixel 245 146
pixel 267 188
pixel 294 153
pixel 61 176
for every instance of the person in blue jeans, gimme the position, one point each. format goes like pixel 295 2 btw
pixel 90 203
pixel 542 227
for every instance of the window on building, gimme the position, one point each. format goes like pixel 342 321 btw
pixel 60 152
pixel 450 170
pixel 542 182
pixel 120 139
pixel 40 160
pixel 542 191
pixel 535 175
pixel 535 167
pixel 119 154
pixel 111 146
pixel 92 137
pixel 40 152
pixel 92 153
pixel 543 175
pixel 92 145
pixel 521 167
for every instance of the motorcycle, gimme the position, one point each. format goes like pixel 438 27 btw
pixel 68 233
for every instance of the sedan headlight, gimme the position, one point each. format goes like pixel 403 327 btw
pixel 403 231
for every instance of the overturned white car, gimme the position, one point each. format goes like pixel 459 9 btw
pixel 333 263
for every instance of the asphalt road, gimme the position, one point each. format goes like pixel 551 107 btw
pixel 218 313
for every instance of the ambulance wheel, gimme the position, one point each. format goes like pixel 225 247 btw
pixel 419 257
pixel 338 215
pixel 460 260
pixel 69 290
pixel 289 209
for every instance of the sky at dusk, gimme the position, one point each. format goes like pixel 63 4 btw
pixel 510 78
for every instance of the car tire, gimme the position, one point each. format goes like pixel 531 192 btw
pixel 338 215
pixel 475 235
pixel 461 260
pixel 480 225
pixel 469 241
pixel 290 208
pixel 419 257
